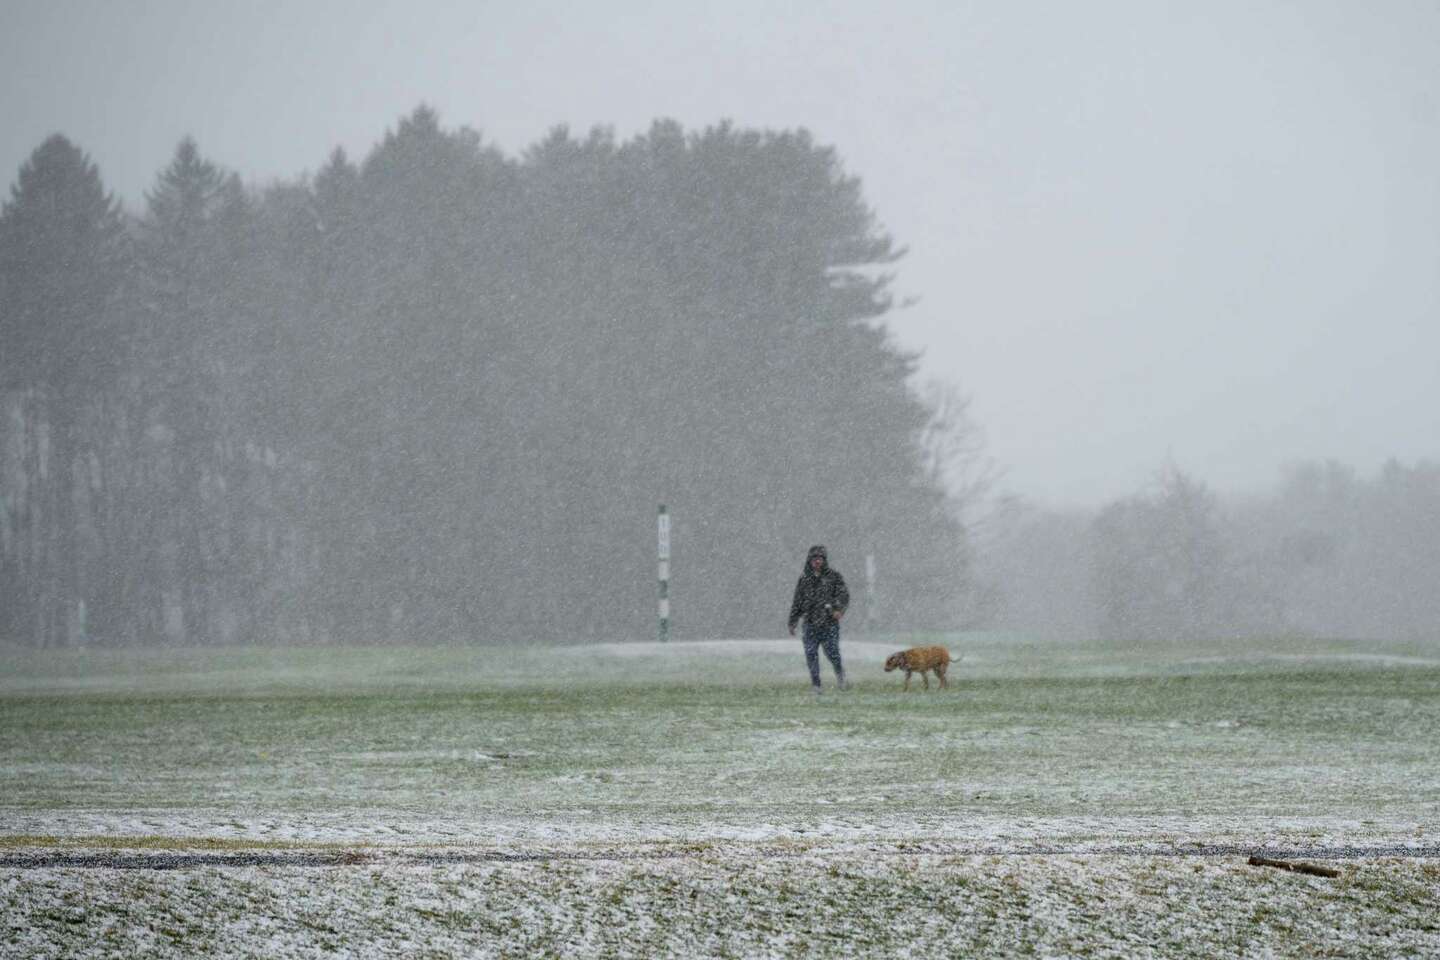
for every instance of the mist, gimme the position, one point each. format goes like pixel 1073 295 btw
pixel 1128 337
pixel 1329 552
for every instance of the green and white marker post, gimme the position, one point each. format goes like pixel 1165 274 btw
pixel 664 528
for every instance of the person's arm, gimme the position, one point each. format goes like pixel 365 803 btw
pixel 842 597
pixel 795 606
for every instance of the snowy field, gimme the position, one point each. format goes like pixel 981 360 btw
pixel 694 799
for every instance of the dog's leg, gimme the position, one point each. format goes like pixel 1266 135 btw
pixel 907 681
pixel 925 679
pixel 940 672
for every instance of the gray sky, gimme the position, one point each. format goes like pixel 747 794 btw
pixel 1208 231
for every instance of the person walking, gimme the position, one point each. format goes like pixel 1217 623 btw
pixel 820 600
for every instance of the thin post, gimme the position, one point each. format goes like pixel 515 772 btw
pixel 869 593
pixel 664 570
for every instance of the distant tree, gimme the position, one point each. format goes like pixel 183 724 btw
pixel 1403 550
pixel 192 247
pixel 1351 555
pixel 1034 570
pixel 62 260
pixel 1159 561
pixel 406 273
pixel 776 410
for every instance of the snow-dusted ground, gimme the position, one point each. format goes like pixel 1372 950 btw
pixel 947 832
pixel 717 903
pixel 693 799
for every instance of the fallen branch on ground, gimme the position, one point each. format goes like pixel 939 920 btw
pixel 1315 870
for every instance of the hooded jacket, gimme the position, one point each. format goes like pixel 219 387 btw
pixel 817 591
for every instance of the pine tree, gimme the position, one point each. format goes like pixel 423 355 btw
pixel 189 271
pixel 62 257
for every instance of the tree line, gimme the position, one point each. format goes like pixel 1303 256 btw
pixel 1328 552
pixel 438 394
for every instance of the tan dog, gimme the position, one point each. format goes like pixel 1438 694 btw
pixel 920 659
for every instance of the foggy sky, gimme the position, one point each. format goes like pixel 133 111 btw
pixel 1137 230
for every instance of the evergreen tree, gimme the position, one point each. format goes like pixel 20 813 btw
pixel 62 260
pixel 191 254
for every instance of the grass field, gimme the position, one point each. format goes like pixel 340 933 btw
pixel 694 799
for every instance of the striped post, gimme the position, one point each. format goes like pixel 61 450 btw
pixel 664 565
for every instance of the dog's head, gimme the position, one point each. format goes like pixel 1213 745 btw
pixel 895 661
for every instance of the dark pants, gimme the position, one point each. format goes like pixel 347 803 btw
pixel 827 636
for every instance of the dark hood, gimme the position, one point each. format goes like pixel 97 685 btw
pixel 817 551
